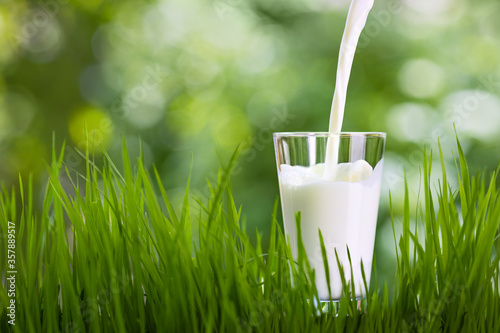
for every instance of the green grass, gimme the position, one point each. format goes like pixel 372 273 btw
pixel 110 254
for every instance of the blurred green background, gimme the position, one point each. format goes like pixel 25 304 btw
pixel 193 79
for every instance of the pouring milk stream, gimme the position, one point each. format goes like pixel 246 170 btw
pixel 356 20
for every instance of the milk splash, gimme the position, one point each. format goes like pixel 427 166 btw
pixel 356 20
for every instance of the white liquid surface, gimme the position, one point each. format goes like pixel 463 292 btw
pixel 345 210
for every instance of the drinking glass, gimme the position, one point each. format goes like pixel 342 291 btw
pixel 341 201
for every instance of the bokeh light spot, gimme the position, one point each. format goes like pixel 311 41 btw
pixel 41 36
pixel 147 112
pixel 98 125
pixel 410 121
pixel 167 23
pixel 421 78
pixel 475 113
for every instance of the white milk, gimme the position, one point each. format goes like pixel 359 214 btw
pixel 340 199
pixel 346 212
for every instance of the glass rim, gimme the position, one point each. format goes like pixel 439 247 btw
pixel 328 134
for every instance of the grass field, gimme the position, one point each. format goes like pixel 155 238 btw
pixel 108 253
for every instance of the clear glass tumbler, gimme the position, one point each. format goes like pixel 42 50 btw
pixel 334 181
